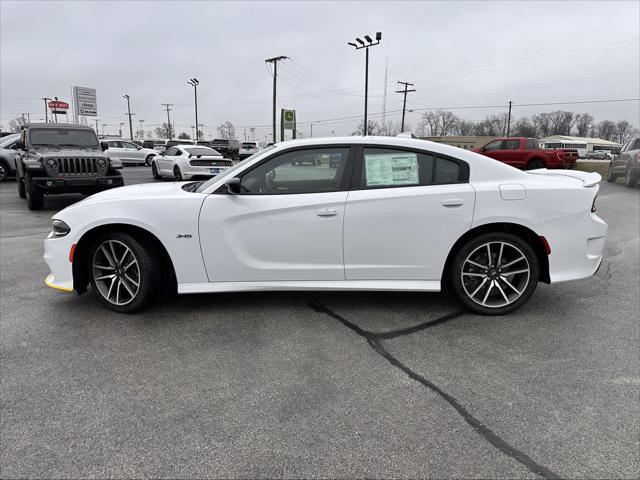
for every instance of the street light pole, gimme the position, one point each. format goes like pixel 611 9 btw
pixel 274 61
pixel 360 45
pixel 141 129
pixel 129 114
pixel 194 83
pixel 121 124
pixel 46 117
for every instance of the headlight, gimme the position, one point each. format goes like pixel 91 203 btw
pixel 102 163
pixel 51 163
pixel 59 229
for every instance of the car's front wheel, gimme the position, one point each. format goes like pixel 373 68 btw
pixel 35 197
pixel 123 272
pixel 495 273
pixel 611 177
pixel 177 174
pixel 148 160
pixel 154 171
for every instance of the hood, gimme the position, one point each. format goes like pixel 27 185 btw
pixel 145 191
pixel 66 152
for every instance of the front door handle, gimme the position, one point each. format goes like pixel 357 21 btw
pixel 453 202
pixel 327 212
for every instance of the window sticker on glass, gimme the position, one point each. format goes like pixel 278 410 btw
pixel 391 169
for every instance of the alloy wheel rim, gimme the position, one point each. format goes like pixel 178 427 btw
pixel 495 274
pixel 116 272
pixel 3 172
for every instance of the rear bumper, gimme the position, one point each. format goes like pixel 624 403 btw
pixel 79 184
pixel 576 245
pixel 190 172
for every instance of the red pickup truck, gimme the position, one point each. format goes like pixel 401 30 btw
pixel 521 152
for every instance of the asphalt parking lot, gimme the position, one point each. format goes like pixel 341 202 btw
pixel 319 384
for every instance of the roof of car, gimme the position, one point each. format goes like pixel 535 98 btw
pixel 59 125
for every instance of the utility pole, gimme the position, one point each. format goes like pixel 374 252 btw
pixel 274 61
pixel 366 68
pixel 129 113
pixel 167 105
pixel 121 125
pixel 384 98
pixel 46 108
pixel 201 127
pixel 96 120
pixel 404 101
pixel 24 122
pixel 192 130
pixel 141 129
pixel 311 130
pixel 194 83
pixel 509 119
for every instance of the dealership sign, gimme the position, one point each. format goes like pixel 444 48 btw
pixel 85 101
pixel 58 106
pixel 287 122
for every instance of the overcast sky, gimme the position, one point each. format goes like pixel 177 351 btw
pixel 458 54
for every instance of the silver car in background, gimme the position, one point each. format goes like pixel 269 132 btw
pixel 128 152
pixel 8 156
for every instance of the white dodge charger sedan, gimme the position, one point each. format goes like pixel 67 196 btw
pixel 355 213
pixel 184 162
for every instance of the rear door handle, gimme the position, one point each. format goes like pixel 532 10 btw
pixel 327 212
pixel 453 202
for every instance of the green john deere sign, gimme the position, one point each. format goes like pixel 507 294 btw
pixel 287 122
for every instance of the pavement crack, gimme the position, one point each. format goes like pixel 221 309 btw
pixel 375 342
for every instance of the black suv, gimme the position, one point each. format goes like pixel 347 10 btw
pixel 62 158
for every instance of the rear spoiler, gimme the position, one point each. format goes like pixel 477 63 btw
pixel 589 179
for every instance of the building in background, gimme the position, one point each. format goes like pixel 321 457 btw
pixel 585 145
pixel 461 141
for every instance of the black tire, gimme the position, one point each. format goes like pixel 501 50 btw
pixel 535 164
pixel 177 174
pixel 611 177
pixel 4 171
pixel 501 299
pixel 631 179
pixel 145 272
pixel 148 160
pixel 154 171
pixel 22 192
pixel 35 197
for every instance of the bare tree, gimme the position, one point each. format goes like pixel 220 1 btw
pixel 183 136
pixel 391 128
pixel 543 124
pixel 447 122
pixel 524 127
pixel 584 122
pixel 624 131
pixel 163 131
pixel 430 124
pixel 16 124
pixel 466 127
pixel 372 128
pixel 606 129
pixel 561 122
pixel 227 131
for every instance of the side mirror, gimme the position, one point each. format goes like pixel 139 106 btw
pixel 19 145
pixel 104 146
pixel 139 147
pixel 233 186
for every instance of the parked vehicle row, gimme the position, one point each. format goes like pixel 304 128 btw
pixel 128 152
pixel 8 156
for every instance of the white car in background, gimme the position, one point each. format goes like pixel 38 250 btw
pixel 128 152
pixel 389 214
pixel 184 162
pixel 247 149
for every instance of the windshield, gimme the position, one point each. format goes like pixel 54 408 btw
pixel 228 173
pixel 63 137
pixel 249 145
pixel 201 151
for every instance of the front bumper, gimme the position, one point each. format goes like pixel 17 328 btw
pixel 77 184
pixel 56 255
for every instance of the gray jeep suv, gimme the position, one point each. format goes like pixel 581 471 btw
pixel 62 158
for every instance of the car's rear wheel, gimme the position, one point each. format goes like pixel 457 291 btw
pixel 535 164
pixel 495 273
pixel 148 160
pixel 35 197
pixel 154 171
pixel 177 174
pixel 123 272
